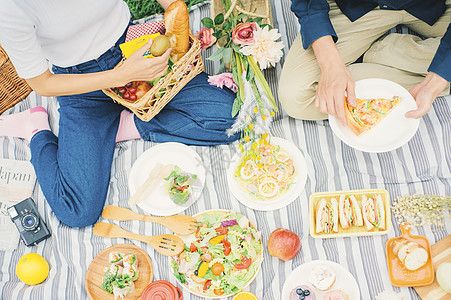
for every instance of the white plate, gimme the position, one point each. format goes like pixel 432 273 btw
pixel 300 276
pixel 393 131
pixel 158 202
pixel 289 196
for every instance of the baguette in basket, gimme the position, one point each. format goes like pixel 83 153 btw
pixel 187 65
pixel 176 21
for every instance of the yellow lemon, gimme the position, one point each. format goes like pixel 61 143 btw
pixel 244 296
pixel 32 269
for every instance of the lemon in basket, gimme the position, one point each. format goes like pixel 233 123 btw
pixel 244 295
pixel 32 269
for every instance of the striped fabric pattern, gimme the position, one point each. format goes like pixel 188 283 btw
pixel 422 166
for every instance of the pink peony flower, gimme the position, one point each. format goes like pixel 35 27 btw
pixel 206 38
pixel 243 33
pixel 223 79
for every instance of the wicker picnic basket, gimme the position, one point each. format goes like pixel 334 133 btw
pixel 252 8
pixel 12 88
pixel 160 94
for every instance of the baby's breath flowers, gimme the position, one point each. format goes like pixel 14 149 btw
pixel 419 210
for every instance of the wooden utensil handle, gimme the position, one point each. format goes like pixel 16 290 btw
pixel 124 214
pixel 120 214
pixel 113 231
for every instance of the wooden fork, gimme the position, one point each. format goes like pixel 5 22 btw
pixel 179 224
pixel 166 244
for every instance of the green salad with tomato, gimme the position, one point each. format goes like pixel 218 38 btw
pixel 222 257
pixel 179 185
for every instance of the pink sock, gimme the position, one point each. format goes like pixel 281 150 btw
pixel 127 129
pixel 25 124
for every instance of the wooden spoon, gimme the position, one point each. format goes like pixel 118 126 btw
pixel 166 244
pixel 179 224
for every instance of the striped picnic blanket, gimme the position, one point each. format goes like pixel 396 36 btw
pixel 422 166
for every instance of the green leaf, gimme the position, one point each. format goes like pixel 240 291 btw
pixel 227 25
pixel 266 25
pixel 227 55
pixel 208 22
pixel 217 55
pixel 218 34
pixel 249 73
pixel 236 106
pixel 236 48
pixel 221 67
pixel 219 19
pixel 241 16
pixel 258 20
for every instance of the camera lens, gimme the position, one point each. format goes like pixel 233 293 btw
pixel 30 221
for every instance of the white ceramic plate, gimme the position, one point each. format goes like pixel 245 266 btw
pixel 393 131
pixel 189 238
pixel 289 196
pixel 158 201
pixel 300 276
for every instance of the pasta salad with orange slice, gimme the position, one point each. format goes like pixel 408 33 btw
pixel 267 172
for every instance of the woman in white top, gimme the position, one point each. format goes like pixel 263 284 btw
pixel 80 39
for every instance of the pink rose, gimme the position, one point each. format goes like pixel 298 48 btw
pixel 206 38
pixel 243 33
pixel 223 79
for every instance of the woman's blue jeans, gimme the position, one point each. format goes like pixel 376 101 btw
pixel 73 169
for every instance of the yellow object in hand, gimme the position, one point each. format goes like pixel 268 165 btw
pixel 130 47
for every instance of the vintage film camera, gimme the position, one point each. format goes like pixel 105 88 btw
pixel 31 226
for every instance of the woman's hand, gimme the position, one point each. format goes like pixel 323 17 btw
pixel 335 80
pixel 425 93
pixel 135 68
pixel 139 68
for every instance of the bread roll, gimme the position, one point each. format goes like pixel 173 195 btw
pixel 176 21
pixel 411 254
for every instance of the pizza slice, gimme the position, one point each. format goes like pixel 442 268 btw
pixel 368 113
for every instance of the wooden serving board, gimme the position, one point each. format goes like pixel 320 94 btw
pixel 441 252
pixel 96 272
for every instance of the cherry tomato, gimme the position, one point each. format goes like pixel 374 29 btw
pixel 207 285
pixel 133 97
pixel 221 230
pixel 129 84
pixel 132 89
pixel 245 263
pixel 192 248
pixel 127 95
pixel 218 292
pixel 122 90
pixel 217 268
pixel 181 188
pixel 227 247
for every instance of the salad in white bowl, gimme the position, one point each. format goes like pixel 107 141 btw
pixel 222 257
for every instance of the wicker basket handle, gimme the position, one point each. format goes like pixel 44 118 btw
pixel 234 5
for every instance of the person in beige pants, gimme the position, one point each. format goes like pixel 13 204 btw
pixel 314 81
